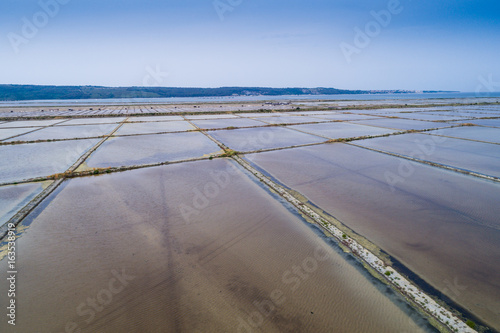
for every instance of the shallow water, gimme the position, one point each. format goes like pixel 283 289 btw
pixel 10 132
pixel 15 197
pixel 342 130
pixel 262 114
pixel 31 123
pixel 442 225
pixel 250 139
pixel 223 123
pixel 24 161
pixel 486 122
pixel 388 111
pixel 67 132
pixel 292 120
pixel 469 155
pixel 146 149
pixel 153 127
pixel 345 116
pixel 315 113
pixel 472 133
pixel 465 114
pixel 85 121
pixel 242 263
pixel 212 116
pixel 155 118
pixel 403 124
pixel 426 116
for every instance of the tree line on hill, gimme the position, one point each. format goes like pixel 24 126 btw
pixel 36 92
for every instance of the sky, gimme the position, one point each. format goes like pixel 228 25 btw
pixel 345 44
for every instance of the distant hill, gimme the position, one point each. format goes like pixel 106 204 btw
pixel 10 92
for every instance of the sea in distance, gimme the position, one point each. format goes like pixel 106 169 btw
pixel 221 99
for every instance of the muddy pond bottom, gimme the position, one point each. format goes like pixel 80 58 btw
pixel 192 247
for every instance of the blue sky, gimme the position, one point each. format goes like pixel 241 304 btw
pixel 422 45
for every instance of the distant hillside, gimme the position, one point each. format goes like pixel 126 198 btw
pixel 32 92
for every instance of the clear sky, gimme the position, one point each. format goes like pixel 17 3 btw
pixel 418 45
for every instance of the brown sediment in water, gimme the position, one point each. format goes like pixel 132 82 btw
pixel 214 212
pixel 433 230
pixel 217 270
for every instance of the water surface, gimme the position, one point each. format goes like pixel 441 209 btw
pixel 212 116
pixel 15 197
pixel 472 133
pixel 153 127
pixel 344 116
pixel 339 130
pixel 442 225
pixel 403 124
pixel 155 118
pixel 31 123
pixel 486 122
pixel 469 155
pixel 224 123
pixel 240 262
pixel 250 139
pixel 67 132
pixel 291 120
pixel 87 121
pixel 146 149
pixel 6 133
pixel 427 116
pixel 25 161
